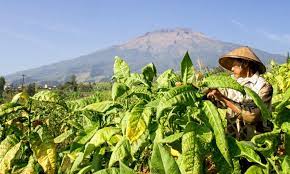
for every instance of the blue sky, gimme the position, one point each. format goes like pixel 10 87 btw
pixel 34 33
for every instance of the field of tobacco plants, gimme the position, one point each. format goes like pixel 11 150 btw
pixel 148 125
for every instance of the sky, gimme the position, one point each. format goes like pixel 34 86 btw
pixel 35 33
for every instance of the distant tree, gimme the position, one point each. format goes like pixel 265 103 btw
pixel 31 89
pixel 288 58
pixel 74 84
pixel 71 84
pixel 2 84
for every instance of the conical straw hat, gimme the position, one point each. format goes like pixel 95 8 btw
pixel 244 53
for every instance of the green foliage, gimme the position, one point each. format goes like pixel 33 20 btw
pixel 279 77
pixel 120 151
pixel 183 95
pixel 2 84
pixel 167 79
pixel 195 143
pixel 255 170
pixel 118 90
pixel 49 96
pixel 137 124
pixel 149 72
pixel 266 115
pixel 138 121
pixel 222 81
pixel 102 106
pixel 31 89
pixel 162 162
pixel 187 70
pixel 121 70
pixel 286 164
pixel 240 149
pixel 213 119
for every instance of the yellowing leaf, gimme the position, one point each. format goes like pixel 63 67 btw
pixel 120 151
pixel 5 164
pixel 45 153
pixel 138 121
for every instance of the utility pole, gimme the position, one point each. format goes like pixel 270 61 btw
pixel 22 86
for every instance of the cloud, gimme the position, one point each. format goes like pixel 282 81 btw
pixel 240 25
pixel 283 38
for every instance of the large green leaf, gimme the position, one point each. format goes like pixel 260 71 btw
pixel 254 169
pixel 6 161
pixel 118 90
pixel 195 141
pixel 125 169
pixel 222 81
pixel 217 157
pixel 183 95
pixel 75 124
pixel 167 79
pixel 8 108
pixel 203 133
pixel 121 70
pixel 77 162
pixel 103 106
pixel 120 151
pixel 162 162
pixel 172 138
pixel 101 136
pixel 138 121
pixel 77 105
pixel 149 72
pixel 140 92
pixel 286 129
pixel 49 96
pixel 85 169
pixel 190 157
pixel 284 102
pixel 137 79
pixel 286 164
pixel 20 98
pixel 266 114
pixel 108 171
pixel 63 136
pixel 266 143
pixel 187 70
pixel 242 149
pixel 214 120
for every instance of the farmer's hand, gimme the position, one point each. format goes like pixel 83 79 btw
pixel 178 83
pixel 214 94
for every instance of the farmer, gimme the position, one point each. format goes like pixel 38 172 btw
pixel 243 116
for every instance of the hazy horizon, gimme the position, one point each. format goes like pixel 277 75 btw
pixel 39 33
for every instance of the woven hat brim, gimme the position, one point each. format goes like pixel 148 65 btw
pixel 227 63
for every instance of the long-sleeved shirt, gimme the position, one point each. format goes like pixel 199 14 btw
pixel 240 128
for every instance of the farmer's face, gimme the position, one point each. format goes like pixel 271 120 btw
pixel 237 69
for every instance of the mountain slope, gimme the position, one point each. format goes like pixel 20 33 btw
pixel 165 48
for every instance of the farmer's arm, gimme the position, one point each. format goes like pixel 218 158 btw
pixel 216 95
pixel 248 114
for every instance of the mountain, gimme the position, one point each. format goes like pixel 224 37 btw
pixel 165 48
